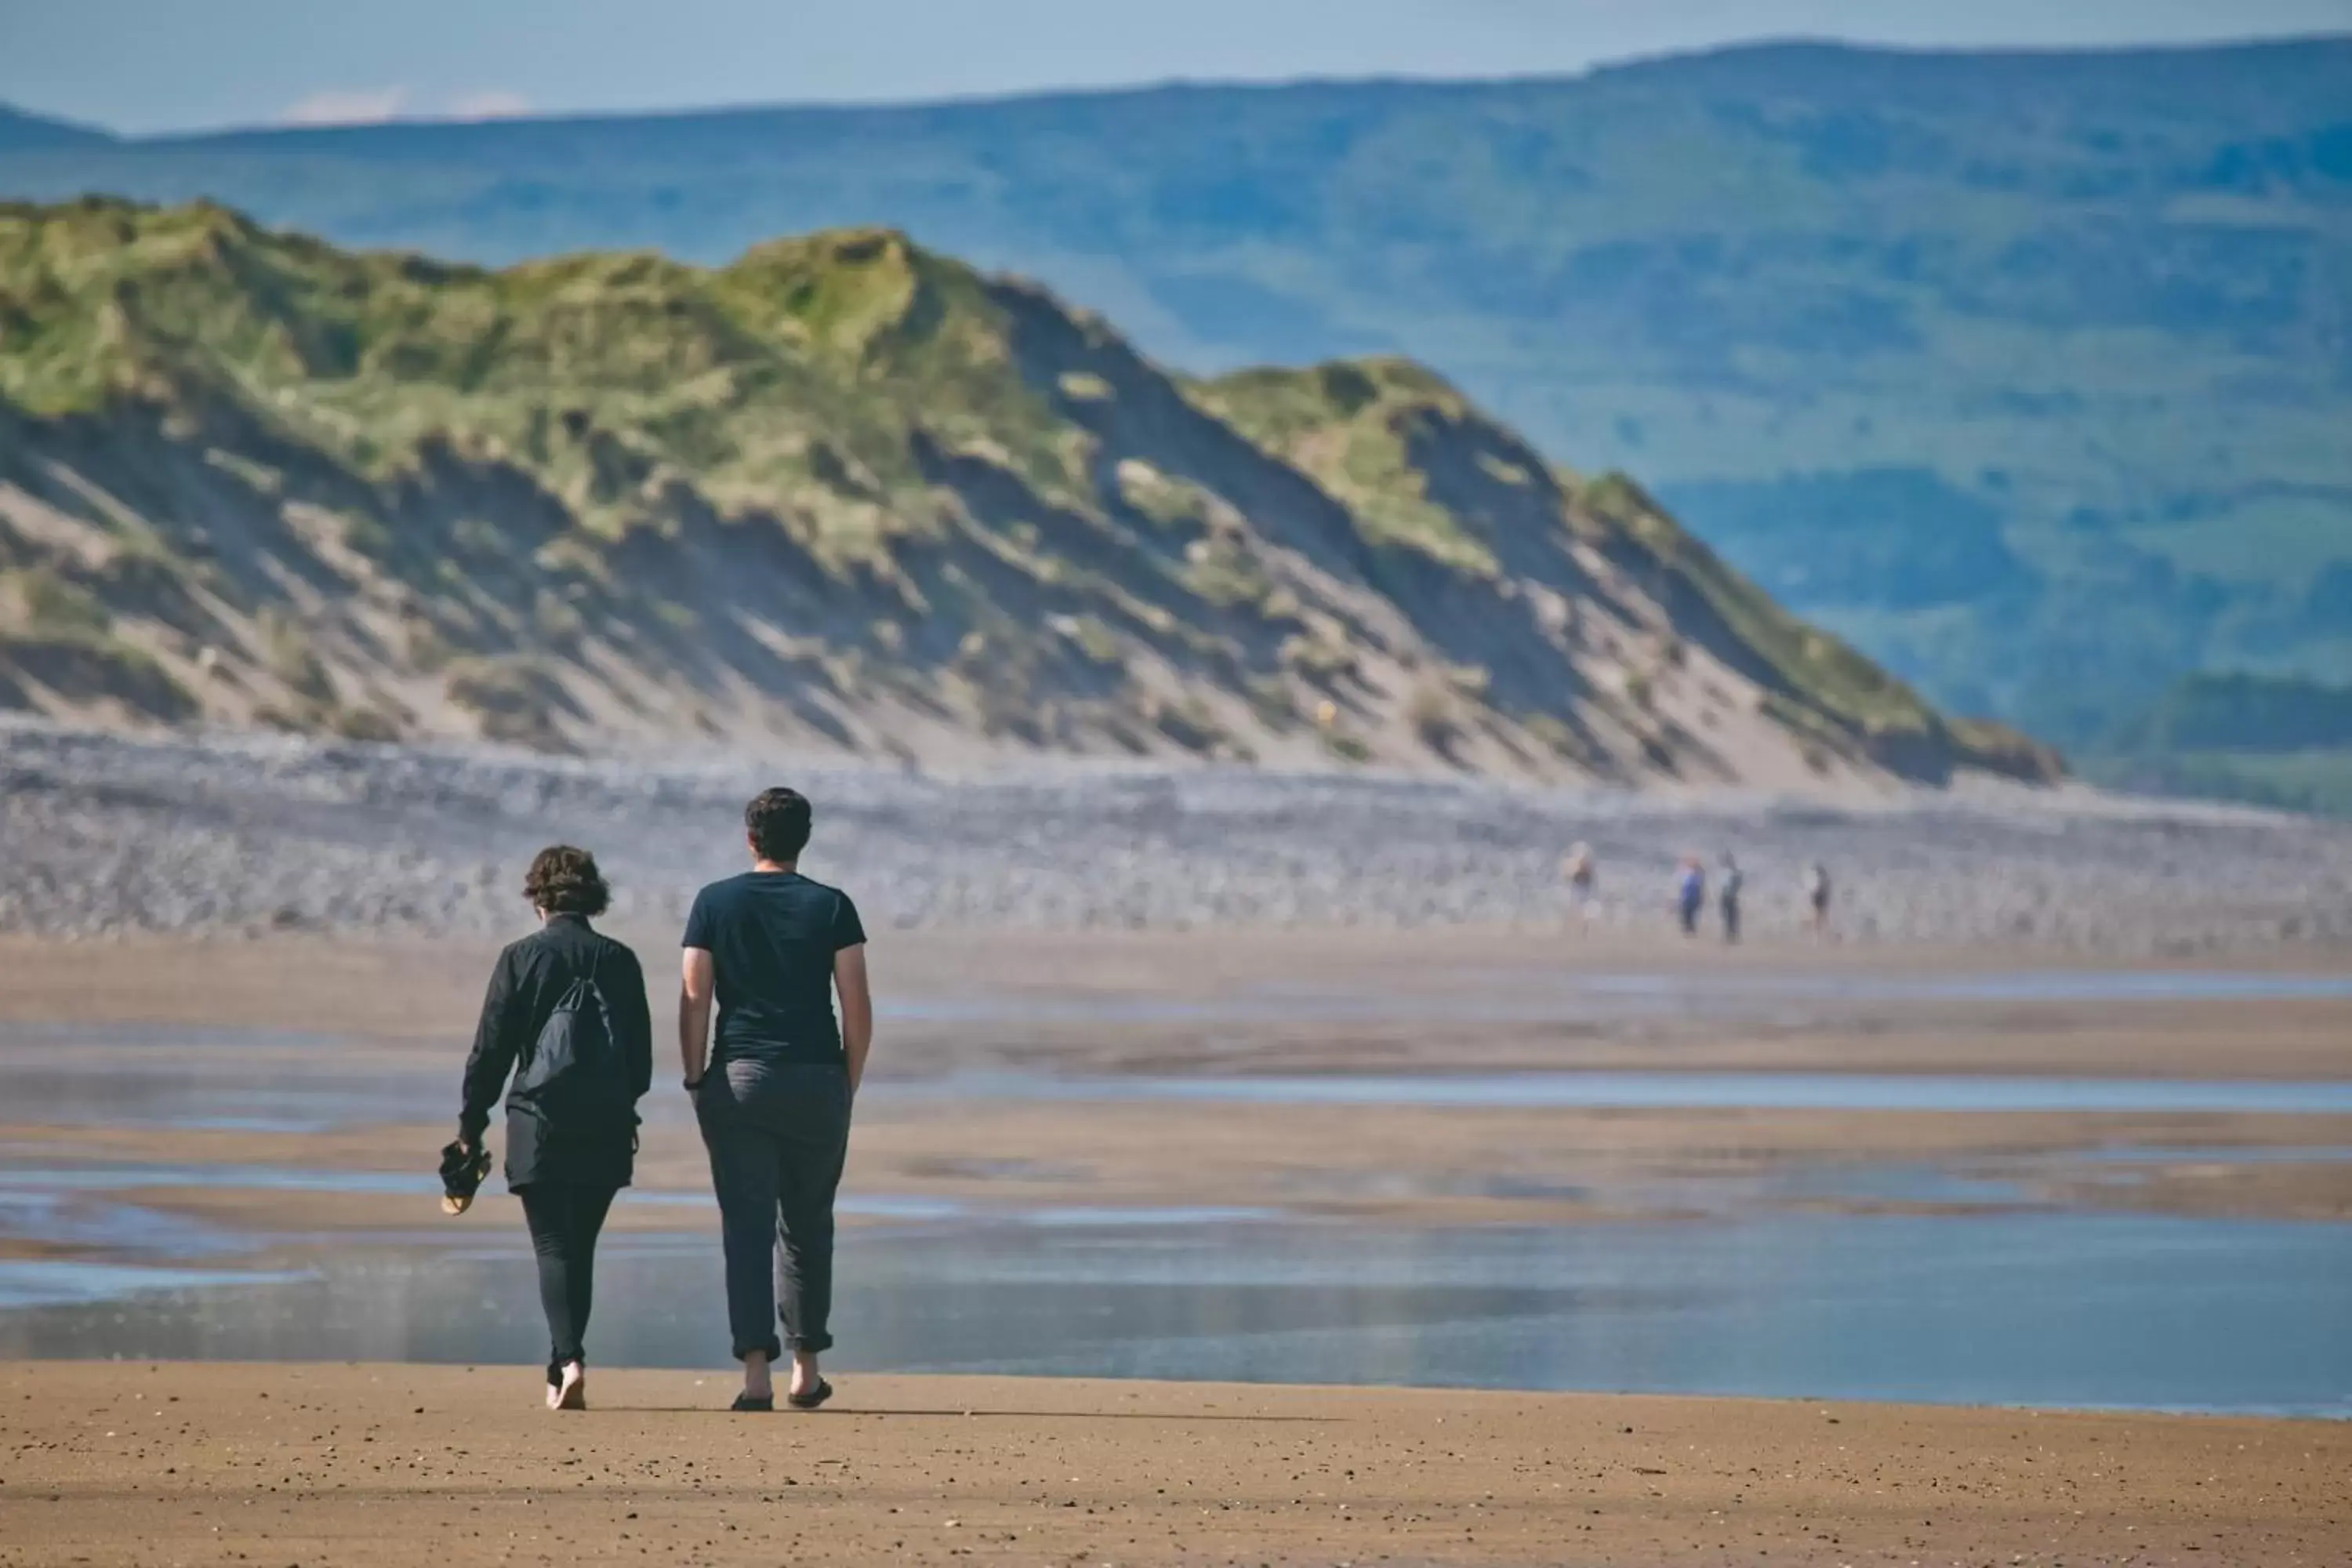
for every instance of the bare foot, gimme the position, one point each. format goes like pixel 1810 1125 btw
pixel 805 1375
pixel 571 1393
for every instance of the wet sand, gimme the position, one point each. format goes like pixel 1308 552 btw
pixel 1379 1163
pixel 379 1028
pixel 1449 1000
pixel 370 1466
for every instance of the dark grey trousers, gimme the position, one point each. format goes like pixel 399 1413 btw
pixel 777 1133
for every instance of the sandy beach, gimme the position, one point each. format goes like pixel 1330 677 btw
pixel 295 1086
pixel 393 1465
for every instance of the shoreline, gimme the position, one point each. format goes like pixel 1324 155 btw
pixel 372 1466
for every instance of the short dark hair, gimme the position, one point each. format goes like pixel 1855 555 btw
pixel 778 823
pixel 563 880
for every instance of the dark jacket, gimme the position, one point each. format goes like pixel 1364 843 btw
pixel 530 979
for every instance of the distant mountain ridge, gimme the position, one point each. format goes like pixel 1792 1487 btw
pixel 2091 309
pixel 2279 743
pixel 845 493
pixel 20 131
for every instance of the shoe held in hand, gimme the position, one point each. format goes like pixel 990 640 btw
pixel 462 1171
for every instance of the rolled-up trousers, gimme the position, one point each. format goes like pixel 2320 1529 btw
pixel 777 1133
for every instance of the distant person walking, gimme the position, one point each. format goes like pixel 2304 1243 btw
pixel 566 1016
pixel 770 947
pixel 1579 870
pixel 1690 893
pixel 1817 898
pixel 1727 898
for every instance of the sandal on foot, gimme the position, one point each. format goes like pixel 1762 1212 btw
pixel 809 1399
pixel 761 1403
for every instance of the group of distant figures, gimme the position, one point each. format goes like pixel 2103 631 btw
pixel 1690 891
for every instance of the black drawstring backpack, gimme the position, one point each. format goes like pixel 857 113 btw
pixel 573 1080
pixel 575 1077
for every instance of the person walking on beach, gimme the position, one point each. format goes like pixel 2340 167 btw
pixel 1729 898
pixel 1691 893
pixel 770 947
pixel 566 1016
pixel 1817 898
pixel 1579 870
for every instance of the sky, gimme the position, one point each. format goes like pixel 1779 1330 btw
pixel 149 65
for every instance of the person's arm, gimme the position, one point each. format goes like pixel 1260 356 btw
pixel 492 1057
pixel 698 979
pixel 856 1010
pixel 637 1018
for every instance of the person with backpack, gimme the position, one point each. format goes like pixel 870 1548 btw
pixel 770 947
pixel 566 1016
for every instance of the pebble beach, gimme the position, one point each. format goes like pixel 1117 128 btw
pixel 229 835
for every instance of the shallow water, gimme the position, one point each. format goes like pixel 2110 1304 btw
pixel 2014 985
pixel 29 1184
pixel 109 1289
pixel 1521 995
pixel 319 1091
pixel 2040 1308
pixel 1685 1090
pixel 252 1080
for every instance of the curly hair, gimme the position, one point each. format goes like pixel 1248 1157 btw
pixel 777 823
pixel 563 880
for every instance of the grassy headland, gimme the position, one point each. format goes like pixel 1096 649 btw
pixel 842 490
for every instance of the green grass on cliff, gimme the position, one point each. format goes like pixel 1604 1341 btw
pixel 891 413
pixel 1352 424
pixel 800 370
pixel 1348 426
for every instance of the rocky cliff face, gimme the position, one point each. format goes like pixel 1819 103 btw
pixel 843 494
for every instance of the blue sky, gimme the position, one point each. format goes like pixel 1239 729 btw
pixel 162 65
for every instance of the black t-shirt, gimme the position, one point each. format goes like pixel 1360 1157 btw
pixel 771 936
